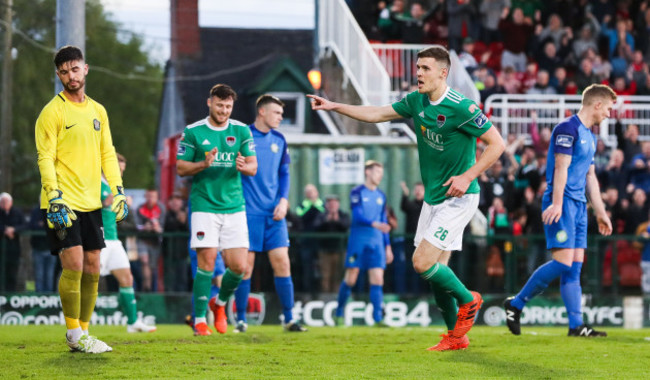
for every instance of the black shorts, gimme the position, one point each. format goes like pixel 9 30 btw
pixel 87 231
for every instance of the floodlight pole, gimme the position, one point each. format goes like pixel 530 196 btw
pixel 6 120
pixel 70 28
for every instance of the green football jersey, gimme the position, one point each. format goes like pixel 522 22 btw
pixel 108 216
pixel 218 188
pixel 447 132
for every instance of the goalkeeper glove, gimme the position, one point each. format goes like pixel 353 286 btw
pixel 119 206
pixel 59 214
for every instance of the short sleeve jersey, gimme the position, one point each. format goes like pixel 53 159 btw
pixel 571 137
pixel 262 191
pixel 446 131
pixel 108 216
pixel 367 206
pixel 217 189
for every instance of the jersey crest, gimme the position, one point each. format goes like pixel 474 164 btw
pixel 230 140
pixel 441 120
pixel 96 124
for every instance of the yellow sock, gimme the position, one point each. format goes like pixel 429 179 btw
pixel 69 291
pixel 89 283
pixel 84 325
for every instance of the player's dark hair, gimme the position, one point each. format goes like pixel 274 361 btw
pixel 370 164
pixel 437 52
pixel 597 91
pixel 266 99
pixel 67 53
pixel 223 91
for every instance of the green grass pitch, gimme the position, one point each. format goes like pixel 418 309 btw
pixel 325 353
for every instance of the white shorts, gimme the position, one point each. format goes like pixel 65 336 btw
pixel 223 231
pixel 112 257
pixel 442 225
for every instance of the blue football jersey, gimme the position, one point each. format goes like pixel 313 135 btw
pixel 263 191
pixel 367 206
pixel 573 138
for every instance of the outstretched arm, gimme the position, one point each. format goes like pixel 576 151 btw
pixel 369 114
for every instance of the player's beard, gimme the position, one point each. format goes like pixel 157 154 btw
pixel 219 119
pixel 80 86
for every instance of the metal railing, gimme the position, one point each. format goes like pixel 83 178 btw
pixel 512 113
pixel 339 32
pixel 600 273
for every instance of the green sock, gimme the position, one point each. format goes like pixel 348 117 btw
pixel 89 284
pixel 229 283
pixel 201 291
pixel 442 277
pixel 69 290
pixel 129 305
pixel 447 306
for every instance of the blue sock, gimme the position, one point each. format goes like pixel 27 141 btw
pixel 284 288
pixel 376 298
pixel 214 291
pixel 539 281
pixel 572 294
pixel 344 294
pixel 241 299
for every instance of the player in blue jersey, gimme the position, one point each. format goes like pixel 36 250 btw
pixel 266 195
pixel 571 181
pixel 368 245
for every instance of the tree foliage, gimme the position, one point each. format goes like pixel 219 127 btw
pixel 132 104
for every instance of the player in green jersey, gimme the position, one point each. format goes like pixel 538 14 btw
pixel 214 151
pixel 447 125
pixel 114 260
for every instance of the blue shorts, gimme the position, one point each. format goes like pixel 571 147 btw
pixel 365 256
pixel 571 230
pixel 265 234
pixel 219 266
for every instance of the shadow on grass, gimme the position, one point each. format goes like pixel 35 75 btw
pixel 494 367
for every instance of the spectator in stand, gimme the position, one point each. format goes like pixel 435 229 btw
pixel 601 158
pixel 587 37
pixel 331 249
pixel 603 9
pixel 491 86
pixel 308 211
pixel 614 208
pixel 389 22
pixel 491 11
pixel 638 70
pixel 617 35
pixel 621 87
pixel 601 68
pixel 585 75
pixel 627 139
pixel 509 80
pixel 542 86
pixel 43 263
pixel 495 183
pixel 436 28
pixel 516 34
pixel 12 222
pixel 640 168
pixel 553 31
pixel 541 138
pixel 529 76
pixel 466 56
pixel 413 27
pixel 175 247
pixel 616 174
pixel 411 209
pixel 460 14
pixel 637 212
pixel 149 216
pixel 559 80
pixel 642 25
pixel 535 229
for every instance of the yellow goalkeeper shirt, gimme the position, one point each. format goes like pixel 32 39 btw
pixel 74 145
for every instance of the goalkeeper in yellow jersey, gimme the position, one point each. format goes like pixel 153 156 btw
pixel 74 146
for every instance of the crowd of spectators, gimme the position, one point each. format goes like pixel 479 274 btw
pixel 525 46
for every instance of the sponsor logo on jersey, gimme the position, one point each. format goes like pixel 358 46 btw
pixel 230 140
pixel 564 140
pixel 440 120
pixel 481 120
pixel 275 148
pixel 433 139
pixel 561 236
pixel 255 311
pixel 96 124
pixel 181 150
pixel 251 146
pixel 200 235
